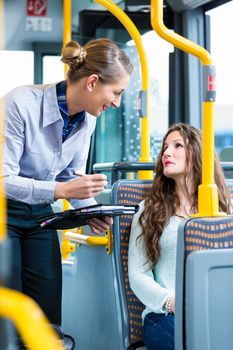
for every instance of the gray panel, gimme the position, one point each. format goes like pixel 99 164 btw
pixel 183 5
pixel 209 307
pixel 90 299
pixel 179 287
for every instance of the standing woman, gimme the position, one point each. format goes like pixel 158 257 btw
pixel 153 239
pixel 47 137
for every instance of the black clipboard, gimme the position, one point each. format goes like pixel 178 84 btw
pixel 73 218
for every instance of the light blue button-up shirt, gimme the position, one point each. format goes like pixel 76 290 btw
pixel 35 157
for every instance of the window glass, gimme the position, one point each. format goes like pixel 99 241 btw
pixel 157 52
pixel 16 68
pixel 118 136
pixel 53 69
pixel 221 39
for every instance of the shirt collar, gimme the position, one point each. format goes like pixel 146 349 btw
pixel 51 112
pixel 62 104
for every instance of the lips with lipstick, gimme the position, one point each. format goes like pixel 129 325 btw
pixel 167 163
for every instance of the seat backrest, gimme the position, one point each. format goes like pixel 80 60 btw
pixel 128 192
pixel 198 234
pixel 209 307
pixel 226 154
pixel 132 192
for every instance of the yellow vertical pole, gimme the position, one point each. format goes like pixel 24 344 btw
pixel 145 118
pixel 66 246
pixel 67 17
pixel 208 204
pixel 15 306
pixel 2 192
pixel 208 151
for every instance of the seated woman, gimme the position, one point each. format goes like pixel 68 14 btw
pixel 153 239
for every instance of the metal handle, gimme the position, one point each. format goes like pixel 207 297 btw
pixel 80 238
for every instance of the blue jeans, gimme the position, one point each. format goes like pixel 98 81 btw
pixel 158 331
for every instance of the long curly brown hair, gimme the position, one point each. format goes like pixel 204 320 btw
pixel 162 201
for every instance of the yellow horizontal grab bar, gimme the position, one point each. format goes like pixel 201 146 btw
pixel 29 320
pixel 88 240
pixel 177 40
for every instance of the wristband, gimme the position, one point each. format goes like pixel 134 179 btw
pixel 167 307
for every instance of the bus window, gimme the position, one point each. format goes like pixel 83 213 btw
pixel 16 68
pixel 221 36
pixel 53 69
pixel 158 51
pixel 118 131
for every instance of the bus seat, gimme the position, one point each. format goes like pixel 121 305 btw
pixel 96 287
pixel 226 154
pixel 99 309
pixel 202 278
pixel 128 192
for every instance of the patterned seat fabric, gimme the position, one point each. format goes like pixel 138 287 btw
pixel 132 193
pixel 202 234
pixel 230 188
pixel 209 233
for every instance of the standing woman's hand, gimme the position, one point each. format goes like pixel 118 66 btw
pixel 83 187
pixel 100 225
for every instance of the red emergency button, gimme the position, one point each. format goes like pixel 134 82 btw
pixel 211 83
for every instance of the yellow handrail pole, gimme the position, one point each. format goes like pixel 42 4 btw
pixel 29 320
pixel 66 245
pixel 15 306
pixel 208 204
pixel 145 120
pixel 177 40
pixel 2 195
pixel 67 17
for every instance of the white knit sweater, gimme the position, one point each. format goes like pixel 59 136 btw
pixel 153 287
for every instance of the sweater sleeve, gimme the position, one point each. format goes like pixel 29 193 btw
pixel 141 277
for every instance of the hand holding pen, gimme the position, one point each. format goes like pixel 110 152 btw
pixel 79 174
pixel 98 225
pixel 85 186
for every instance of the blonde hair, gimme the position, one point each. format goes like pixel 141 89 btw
pixel 101 57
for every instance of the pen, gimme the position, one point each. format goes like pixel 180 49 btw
pixel 78 174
